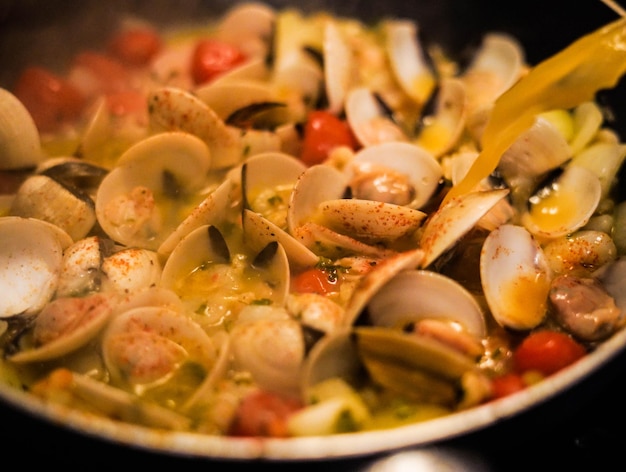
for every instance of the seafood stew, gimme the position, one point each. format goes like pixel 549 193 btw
pixel 306 216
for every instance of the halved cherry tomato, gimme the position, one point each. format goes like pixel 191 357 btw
pixel 264 413
pixel 135 46
pixel 547 352
pixel 323 132
pixel 315 281
pixel 50 99
pixel 211 58
pixel 507 384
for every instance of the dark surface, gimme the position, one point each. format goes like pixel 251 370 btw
pixel 584 429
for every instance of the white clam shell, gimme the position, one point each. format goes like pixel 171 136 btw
pixel 422 170
pixel 31 260
pixel 515 277
pixel 211 211
pixel 248 26
pixel 413 295
pixel 147 344
pixel 225 97
pixel 269 343
pixel 444 128
pixel 19 137
pixel 66 324
pixel 175 109
pixel 338 66
pixel 408 61
pixel 128 201
pixel 567 207
pixel 131 269
pixel 367 120
pixel 44 198
pixel 454 219
pixel 495 68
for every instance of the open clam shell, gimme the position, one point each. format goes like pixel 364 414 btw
pixel 395 172
pixel 19 136
pixel 515 277
pixel 408 60
pixel 453 220
pixel 138 204
pixel 368 120
pixel 414 295
pixel 31 261
pixel 566 205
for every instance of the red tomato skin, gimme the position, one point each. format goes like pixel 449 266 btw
pixel 507 384
pixel 314 281
pixel 211 58
pixel 323 132
pixel 50 99
pixel 547 352
pixel 136 47
pixel 264 413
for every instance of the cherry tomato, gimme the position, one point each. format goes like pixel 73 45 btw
pixel 50 99
pixel 547 352
pixel 507 384
pixel 136 46
pixel 315 281
pixel 263 413
pixel 324 131
pixel 211 58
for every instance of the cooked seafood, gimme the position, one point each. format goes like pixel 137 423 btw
pixel 184 257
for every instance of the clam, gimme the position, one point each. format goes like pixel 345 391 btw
pixel 441 131
pixel 203 269
pixel 374 280
pixel 130 269
pixel 259 231
pixel 156 349
pixel 31 261
pixel 497 65
pixel 296 74
pixel 417 367
pixel 47 199
pixel 368 119
pixel 81 272
pixel 248 26
pixel 64 325
pixel 564 205
pixel 394 172
pixel 408 60
pixel 269 344
pixel 414 295
pixel 516 276
pixel 228 97
pixel 174 109
pixel 138 204
pixel 580 253
pixel 539 150
pixel 453 220
pixel 212 210
pixel 267 181
pixel 338 67
pixel 19 137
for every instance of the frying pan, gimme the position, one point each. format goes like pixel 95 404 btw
pixel 48 32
